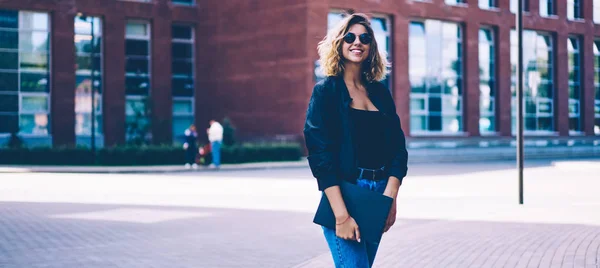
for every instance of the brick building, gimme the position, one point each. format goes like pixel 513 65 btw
pixel 158 65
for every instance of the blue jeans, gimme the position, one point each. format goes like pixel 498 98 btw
pixel 349 253
pixel 216 153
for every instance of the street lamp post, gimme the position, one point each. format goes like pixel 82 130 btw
pixel 93 93
pixel 519 23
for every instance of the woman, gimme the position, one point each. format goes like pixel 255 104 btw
pixel 190 147
pixel 353 133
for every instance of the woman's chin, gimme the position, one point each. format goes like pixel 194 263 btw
pixel 356 60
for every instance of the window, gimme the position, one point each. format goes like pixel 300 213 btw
pixel 88 75
pixel 487 81
pixel 184 2
pixel 547 8
pixel 538 86
pixel 182 52
pixel 435 71
pixel 137 80
pixel 487 4
pixel 597 11
pixel 574 9
pixel 514 5
pixel 597 86
pixel 382 29
pixel 573 45
pixel 24 72
pixel 455 2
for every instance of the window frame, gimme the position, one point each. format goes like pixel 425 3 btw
pixel 493 78
pixel 18 92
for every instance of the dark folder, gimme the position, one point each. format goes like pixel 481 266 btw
pixel 369 209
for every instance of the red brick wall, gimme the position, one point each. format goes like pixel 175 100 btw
pixel 256 70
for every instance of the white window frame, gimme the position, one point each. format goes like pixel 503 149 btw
pixel 576 16
pixel 576 102
pixel 460 3
pixel 493 7
pixel 513 9
pixel 22 30
pixel 442 96
pixel 596 11
pixel 551 13
pixel 492 99
pixel 538 100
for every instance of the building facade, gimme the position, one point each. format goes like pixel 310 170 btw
pixel 147 69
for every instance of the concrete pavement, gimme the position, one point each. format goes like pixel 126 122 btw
pixel 450 215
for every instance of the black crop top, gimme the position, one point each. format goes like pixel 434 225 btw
pixel 369 138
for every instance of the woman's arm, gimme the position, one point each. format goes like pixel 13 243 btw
pixel 321 137
pixel 321 133
pixel 345 226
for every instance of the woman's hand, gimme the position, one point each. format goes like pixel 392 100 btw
pixel 347 229
pixel 391 190
pixel 391 217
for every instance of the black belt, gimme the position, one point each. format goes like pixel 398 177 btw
pixel 372 174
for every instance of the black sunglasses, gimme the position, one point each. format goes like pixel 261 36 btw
pixel 363 38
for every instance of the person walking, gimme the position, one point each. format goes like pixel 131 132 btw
pixel 353 133
pixel 215 137
pixel 190 147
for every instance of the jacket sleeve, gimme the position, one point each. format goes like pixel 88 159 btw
pixel 399 164
pixel 320 137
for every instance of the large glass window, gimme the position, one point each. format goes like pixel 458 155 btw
pixel 547 8
pixel 88 75
pixel 574 9
pixel 382 30
pixel 597 86
pixel 488 4
pixel 137 80
pixel 514 4
pixel 487 81
pixel 573 45
pixel 435 70
pixel 24 72
pixel 182 54
pixel 597 11
pixel 538 86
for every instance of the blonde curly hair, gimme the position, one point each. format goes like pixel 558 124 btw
pixel 374 68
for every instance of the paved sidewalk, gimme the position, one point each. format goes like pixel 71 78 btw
pixel 449 215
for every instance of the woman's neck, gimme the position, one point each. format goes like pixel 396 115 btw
pixel 352 75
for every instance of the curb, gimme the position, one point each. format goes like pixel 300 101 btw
pixel 149 169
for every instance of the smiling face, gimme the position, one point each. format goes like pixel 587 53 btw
pixel 356 52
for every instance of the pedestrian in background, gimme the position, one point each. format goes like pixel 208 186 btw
pixel 190 147
pixel 353 133
pixel 215 137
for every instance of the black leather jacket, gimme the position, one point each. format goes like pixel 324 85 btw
pixel 327 132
